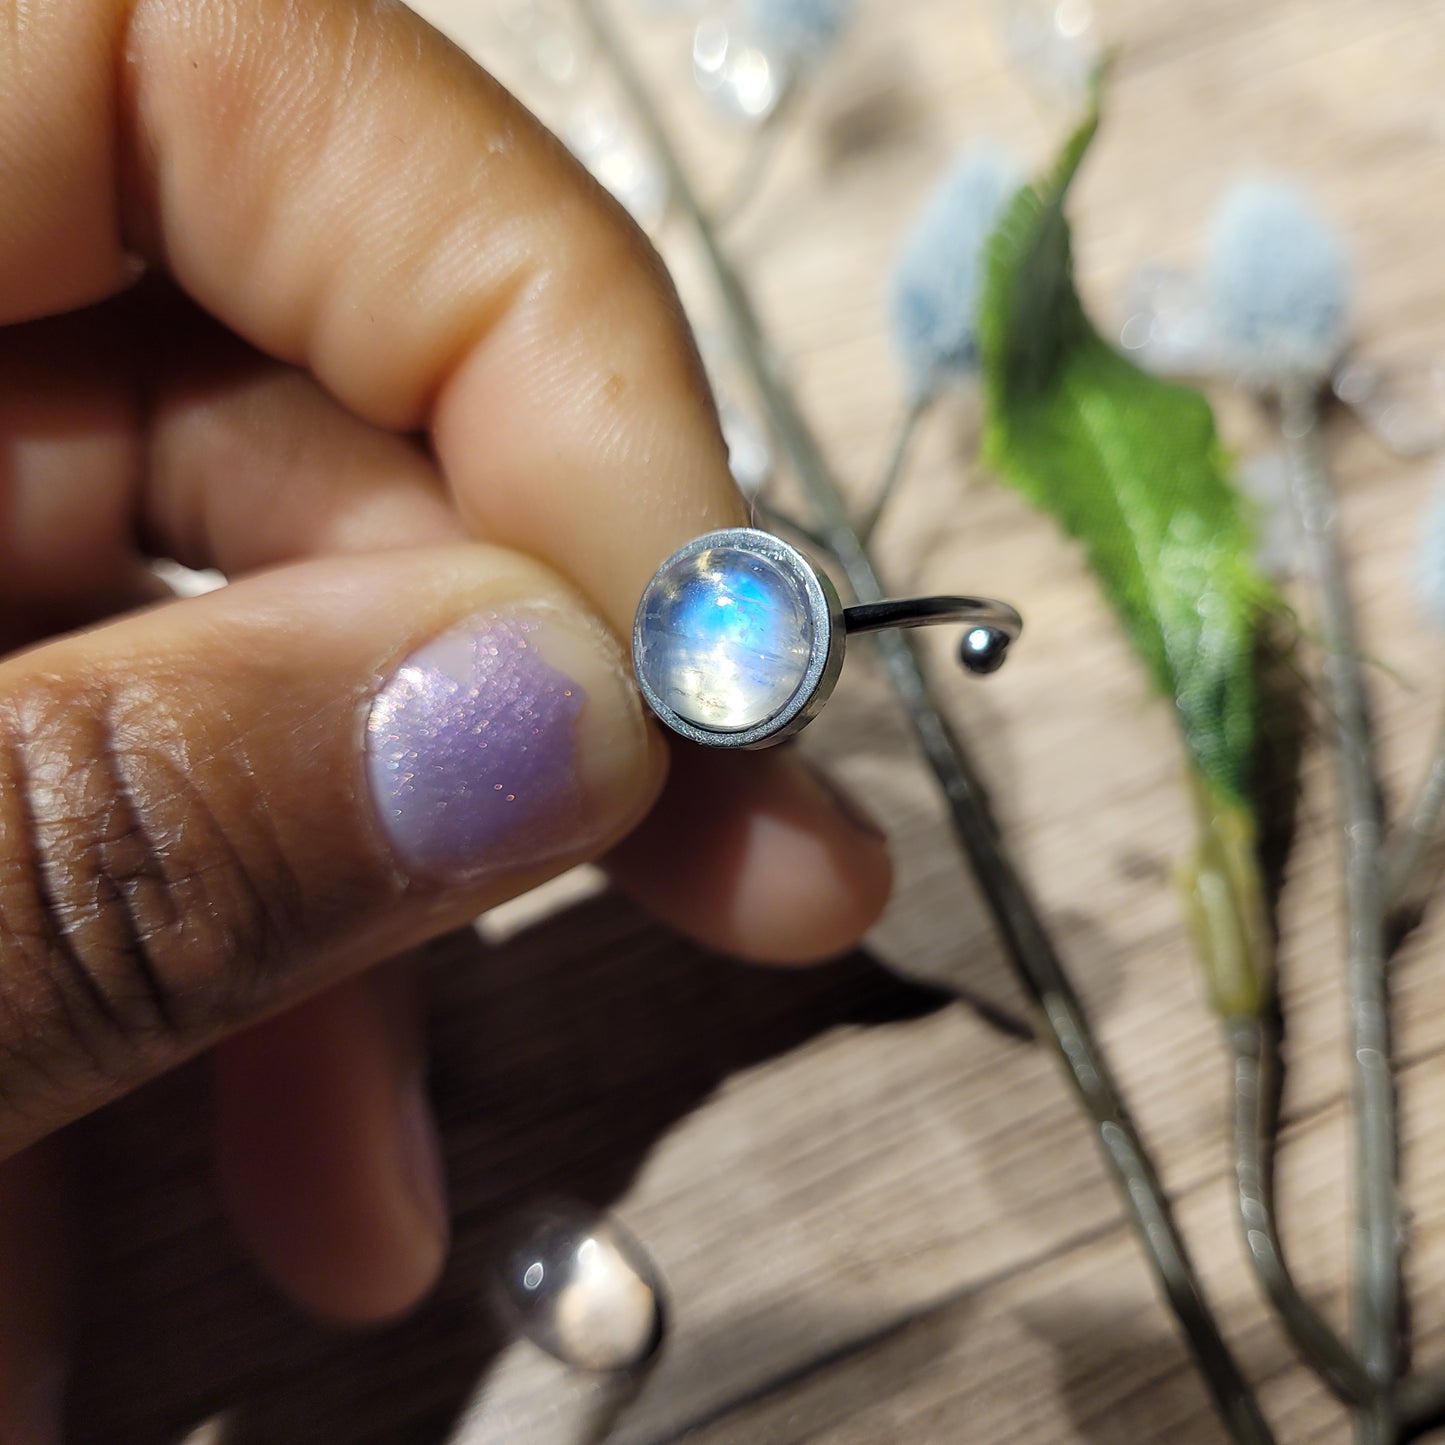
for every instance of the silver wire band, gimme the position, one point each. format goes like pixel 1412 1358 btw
pixel 925 611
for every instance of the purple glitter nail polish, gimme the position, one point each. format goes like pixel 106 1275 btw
pixel 472 752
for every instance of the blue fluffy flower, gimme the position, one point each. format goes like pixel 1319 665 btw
pixel 798 32
pixel 1277 285
pixel 939 271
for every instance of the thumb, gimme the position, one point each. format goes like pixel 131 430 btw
pixel 214 807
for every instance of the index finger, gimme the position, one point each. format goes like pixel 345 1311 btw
pixel 345 189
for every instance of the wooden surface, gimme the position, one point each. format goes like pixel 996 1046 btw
pixel 879 1219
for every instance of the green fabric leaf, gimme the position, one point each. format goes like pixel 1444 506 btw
pixel 1132 467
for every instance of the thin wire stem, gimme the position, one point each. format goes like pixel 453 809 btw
pixel 898 452
pixel 1414 858
pixel 1027 945
pixel 1254 1045
pixel 1377 1262
pixel 778 520
pixel 764 148
pixel 994 1015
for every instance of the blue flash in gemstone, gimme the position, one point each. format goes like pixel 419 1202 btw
pixel 727 635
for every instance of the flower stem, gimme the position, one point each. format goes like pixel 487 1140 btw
pixel 898 453
pixel 1254 1045
pixel 763 147
pixel 1377 1268
pixel 775 519
pixel 1413 857
pixel 1027 944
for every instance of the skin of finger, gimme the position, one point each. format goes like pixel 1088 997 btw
pixel 342 1208
pixel 59 225
pixel 636 461
pixel 343 187
pixel 246 464
pixel 329 1233
pixel 248 470
pixel 140 423
pixel 325 1144
pixel 338 485
pixel 37 1279
pixel 320 1121
pixel 787 876
pixel 70 470
pixel 252 464
pixel 228 730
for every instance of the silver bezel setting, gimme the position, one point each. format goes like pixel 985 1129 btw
pixel 825 657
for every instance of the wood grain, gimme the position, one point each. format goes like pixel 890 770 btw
pixel 879 1219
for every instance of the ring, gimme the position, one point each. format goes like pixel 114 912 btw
pixel 739 639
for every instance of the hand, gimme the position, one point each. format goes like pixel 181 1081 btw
pixel 291 289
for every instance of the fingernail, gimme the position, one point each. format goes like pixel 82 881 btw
pixel 510 741
pixel 845 803
pixel 421 1157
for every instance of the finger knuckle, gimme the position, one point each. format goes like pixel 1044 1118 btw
pixel 131 912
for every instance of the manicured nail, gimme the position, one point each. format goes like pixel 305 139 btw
pixel 510 741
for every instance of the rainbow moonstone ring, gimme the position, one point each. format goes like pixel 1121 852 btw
pixel 739 639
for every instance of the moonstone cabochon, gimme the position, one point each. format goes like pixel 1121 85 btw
pixel 725 637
